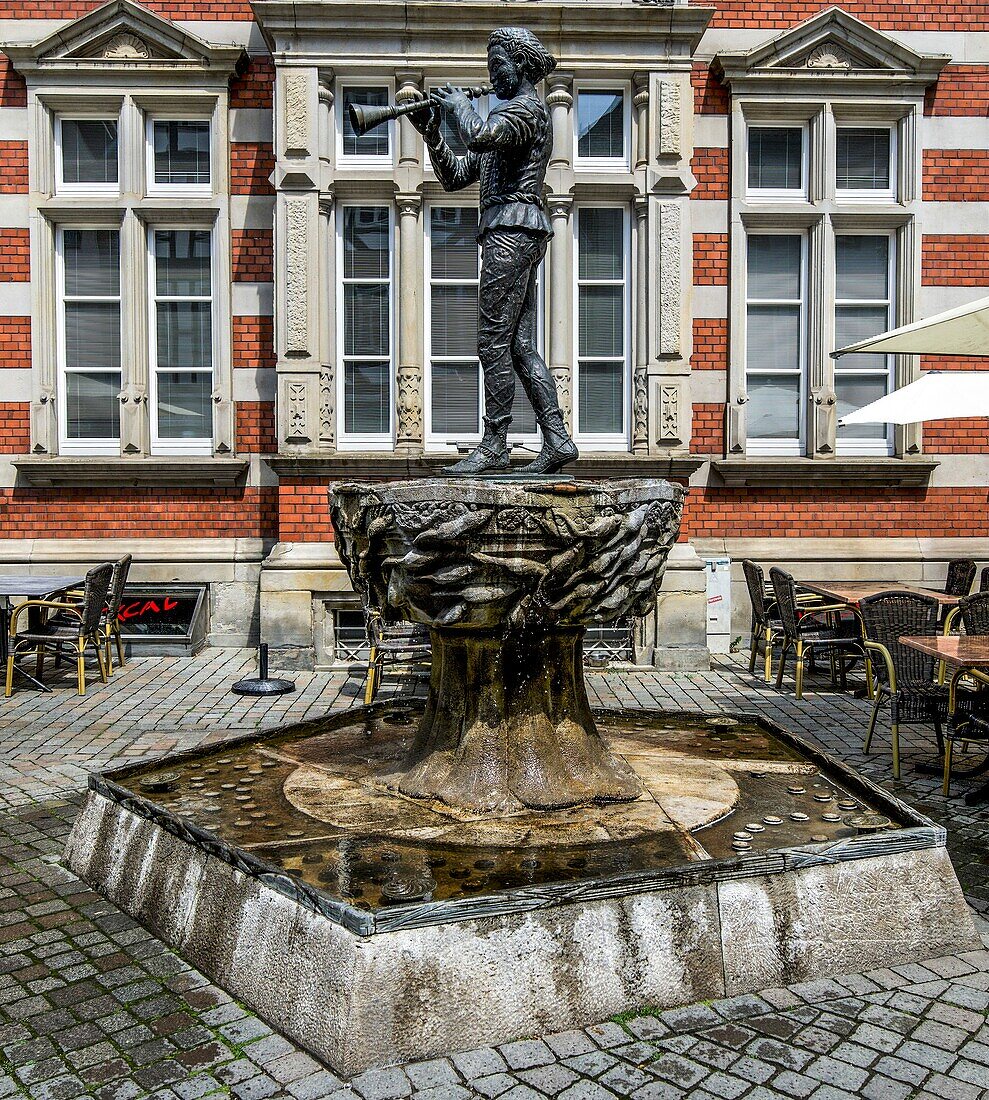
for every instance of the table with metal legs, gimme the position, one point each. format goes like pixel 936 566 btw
pixel 33 587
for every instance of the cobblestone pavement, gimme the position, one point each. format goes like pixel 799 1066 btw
pixel 93 1005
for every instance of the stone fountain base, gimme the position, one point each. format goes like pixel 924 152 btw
pixel 372 928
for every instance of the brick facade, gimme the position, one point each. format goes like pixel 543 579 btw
pixel 955 260
pixel 956 175
pixel 256 427
pixel 15 427
pixel 710 168
pixel 253 343
pixel 15 342
pixel 708 434
pixel 15 256
pixel 13 167
pixel 710 259
pixel 960 90
pixel 252 255
pixel 710 344
pixel 251 165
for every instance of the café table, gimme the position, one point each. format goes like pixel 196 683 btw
pixel 965 655
pixel 34 587
pixel 852 592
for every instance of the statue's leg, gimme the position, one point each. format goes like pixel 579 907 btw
pixel 558 448
pixel 505 262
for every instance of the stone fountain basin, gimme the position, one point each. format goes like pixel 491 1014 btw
pixel 538 921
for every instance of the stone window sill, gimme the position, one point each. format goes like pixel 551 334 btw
pixel 89 471
pixel 343 466
pixel 846 472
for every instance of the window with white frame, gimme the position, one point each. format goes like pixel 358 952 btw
pixel 182 340
pixel 179 153
pixel 775 341
pixel 89 340
pixel 455 385
pixel 364 327
pixel 602 316
pixel 86 155
pixel 375 145
pixel 865 162
pixel 864 266
pixel 602 121
pixel 776 165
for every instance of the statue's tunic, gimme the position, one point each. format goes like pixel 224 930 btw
pixel 508 155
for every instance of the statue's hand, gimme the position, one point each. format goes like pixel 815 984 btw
pixel 427 122
pixel 451 99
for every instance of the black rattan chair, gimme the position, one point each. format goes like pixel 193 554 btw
pixel 984 579
pixel 111 622
pixel 805 632
pixel 393 644
pixel 960 577
pixel 767 629
pixel 904 676
pixel 78 625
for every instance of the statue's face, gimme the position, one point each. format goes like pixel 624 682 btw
pixel 504 74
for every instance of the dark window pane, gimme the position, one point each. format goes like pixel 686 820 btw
pixel 454 320
pixel 184 407
pixel 185 334
pixel 601 124
pixel 456 398
pixel 774 267
pixel 862 267
pixel 89 151
pixel 181 152
pixel 182 262
pixel 92 335
pixel 453 242
pixel 602 398
pixel 863 157
pixel 775 156
pixel 365 308
pixel 367 397
pixel 601 325
pixel 365 242
pixel 92 262
pixel 92 410
pixel 375 142
pixel 600 243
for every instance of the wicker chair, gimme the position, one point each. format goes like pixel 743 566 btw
pixel 111 622
pixel 804 633
pixel 904 676
pixel 984 579
pixel 392 643
pixel 767 629
pixel 78 625
pixel 961 574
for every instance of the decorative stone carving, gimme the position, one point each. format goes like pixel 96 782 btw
pixel 640 411
pixel 829 55
pixel 325 92
pixel 327 405
pixel 132 418
pixel 669 118
pixel 669 413
pixel 296 419
pixel 295 113
pixel 126 47
pixel 507 576
pixel 43 427
pixel 670 289
pixel 409 405
pixel 296 277
pixel 564 394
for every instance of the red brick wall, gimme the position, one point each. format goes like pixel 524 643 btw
pixel 948 362
pixel 252 255
pixel 136 513
pixel 950 512
pixel 955 259
pixel 956 175
pixel 253 88
pixel 256 427
pixel 15 256
pixel 170 9
pixel 15 342
pixel 13 89
pixel 251 163
pixel 905 15
pixel 710 95
pixel 957 437
pixel 710 259
pixel 707 435
pixel 710 168
pixel 13 167
pixel 303 514
pixel 960 90
pixel 710 344
pixel 253 342
pixel 15 428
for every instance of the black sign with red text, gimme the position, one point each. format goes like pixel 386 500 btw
pixel 158 613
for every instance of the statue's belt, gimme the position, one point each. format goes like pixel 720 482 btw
pixel 507 200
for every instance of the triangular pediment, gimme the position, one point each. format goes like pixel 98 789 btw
pixel 831 42
pixel 126 34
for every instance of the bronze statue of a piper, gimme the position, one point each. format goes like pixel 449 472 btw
pixel 507 153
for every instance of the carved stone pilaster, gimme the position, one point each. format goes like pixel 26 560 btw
pixel 297 336
pixel 670 278
pixel 560 276
pixel 640 101
pixel 640 382
pixel 640 412
pixel 670 118
pixel 559 99
pixel 44 426
pixel 325 92
pixel 295 114
pixel 133 420
pixel 669 413
pixel 327 406
pixel 410 366
pixel 410 144
pixel 296 418
pixel 223 423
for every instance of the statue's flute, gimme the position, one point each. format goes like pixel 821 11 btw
pixel 366 118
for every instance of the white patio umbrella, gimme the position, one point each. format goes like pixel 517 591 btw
pixel 937 395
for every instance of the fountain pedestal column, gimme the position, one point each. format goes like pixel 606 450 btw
pixel 508 726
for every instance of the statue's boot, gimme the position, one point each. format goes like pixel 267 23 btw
pixel 490 455
pixel 558 448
